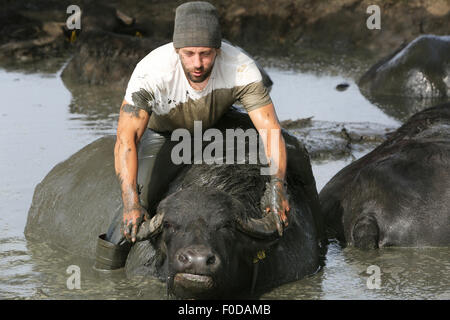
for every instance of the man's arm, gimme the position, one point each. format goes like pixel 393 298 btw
pixel 132 124
pixel 266 122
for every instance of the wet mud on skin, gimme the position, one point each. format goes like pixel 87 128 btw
pixel 45 123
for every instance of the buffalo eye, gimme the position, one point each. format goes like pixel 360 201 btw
pixel 168 231
pixel 169 226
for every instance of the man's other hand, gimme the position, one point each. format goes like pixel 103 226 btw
pixel 275 201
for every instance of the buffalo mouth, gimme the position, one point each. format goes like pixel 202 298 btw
pixel 189 284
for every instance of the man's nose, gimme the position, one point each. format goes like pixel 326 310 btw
pixel 197 61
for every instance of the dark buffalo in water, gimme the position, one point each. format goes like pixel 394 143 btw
pixel 410 79
pixel 398 194
pixel 208 237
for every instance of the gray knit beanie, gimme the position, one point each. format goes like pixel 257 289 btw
pixel 197 25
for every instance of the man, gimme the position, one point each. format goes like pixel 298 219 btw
pixel 196 78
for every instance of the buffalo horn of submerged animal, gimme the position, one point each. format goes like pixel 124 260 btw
pixel 127 20
pixel 150 228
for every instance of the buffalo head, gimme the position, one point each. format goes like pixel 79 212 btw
pixel 208 242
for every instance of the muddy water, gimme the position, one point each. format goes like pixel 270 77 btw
pixel 41 124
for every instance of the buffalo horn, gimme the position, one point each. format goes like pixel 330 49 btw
pixel 262 228
pixel 150 228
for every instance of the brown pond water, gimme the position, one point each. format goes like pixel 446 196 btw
pixel 41 124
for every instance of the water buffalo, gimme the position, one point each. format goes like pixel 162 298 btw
pixel 410 78
pixel 208 237
pixel 398 194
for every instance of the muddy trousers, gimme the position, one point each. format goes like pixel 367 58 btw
pixel 155 172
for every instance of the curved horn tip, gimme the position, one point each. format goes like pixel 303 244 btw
pixel 262 228
pixel 150 228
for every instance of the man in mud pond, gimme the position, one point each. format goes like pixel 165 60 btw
pixel 196 78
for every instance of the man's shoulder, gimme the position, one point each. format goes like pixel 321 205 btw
pixel 232 54
pixel 237 67
pixel 159 62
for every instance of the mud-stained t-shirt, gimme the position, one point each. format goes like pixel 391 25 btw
pixel 159 86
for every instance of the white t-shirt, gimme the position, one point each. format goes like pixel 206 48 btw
pixel 159 86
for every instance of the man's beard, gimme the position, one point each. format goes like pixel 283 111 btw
pixel 199 79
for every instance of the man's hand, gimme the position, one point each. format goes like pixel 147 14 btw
pixel 132 218
pixel 275 201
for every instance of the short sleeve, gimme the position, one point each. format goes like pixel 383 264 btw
pixel 250 90
pixel 253 96
pixel 141 92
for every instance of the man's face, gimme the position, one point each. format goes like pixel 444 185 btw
pixel 197 62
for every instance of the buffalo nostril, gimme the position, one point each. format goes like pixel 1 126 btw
pixel 211 260
pixel 183 258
